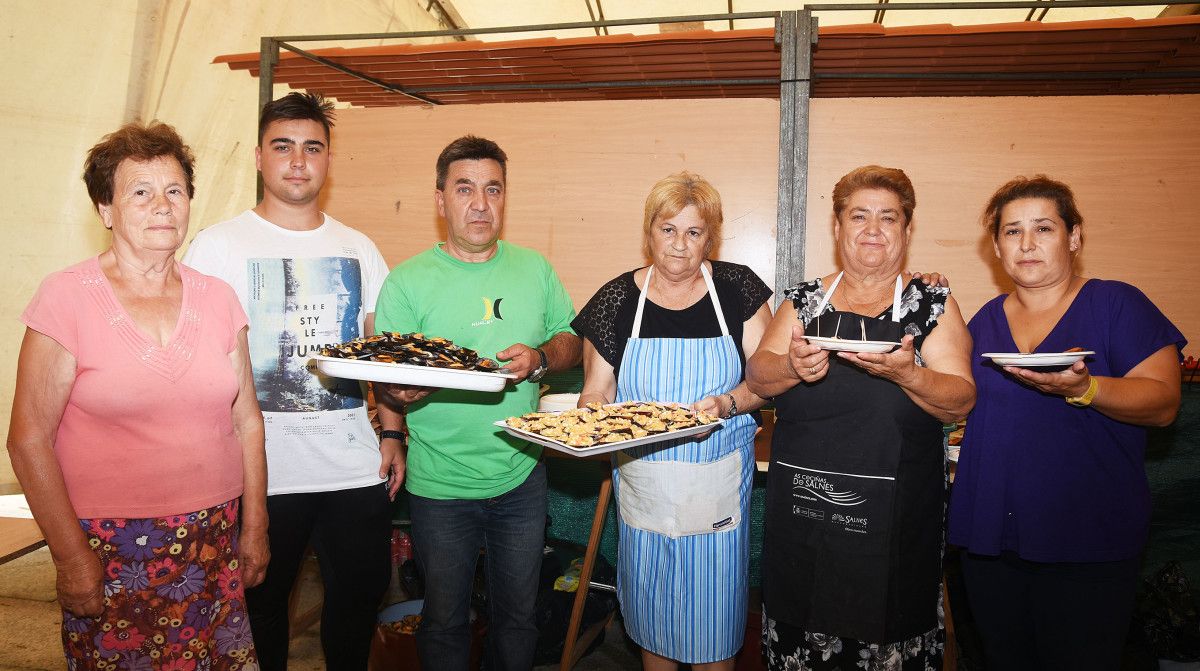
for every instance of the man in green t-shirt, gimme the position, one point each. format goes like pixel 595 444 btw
pixel 471 485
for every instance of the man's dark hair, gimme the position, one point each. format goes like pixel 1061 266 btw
pixel 295 105
pixel 469 148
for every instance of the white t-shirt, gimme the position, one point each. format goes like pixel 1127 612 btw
pixel 302 290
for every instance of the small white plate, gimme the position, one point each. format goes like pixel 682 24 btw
pixel 848 345
pixel 952 453
pixel 607 447
pixel 1036 360
pixel 403 373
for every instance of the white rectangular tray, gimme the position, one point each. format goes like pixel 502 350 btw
pixel 403 373
pixel 607 447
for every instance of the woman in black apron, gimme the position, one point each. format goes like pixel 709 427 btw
pixel 853 529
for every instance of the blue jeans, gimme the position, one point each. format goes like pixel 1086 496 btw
pixel 447 536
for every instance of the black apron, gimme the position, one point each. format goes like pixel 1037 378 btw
pixel 855 501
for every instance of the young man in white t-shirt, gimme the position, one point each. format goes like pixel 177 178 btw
pixel 307 281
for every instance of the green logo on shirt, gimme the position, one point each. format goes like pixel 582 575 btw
pixel 491 309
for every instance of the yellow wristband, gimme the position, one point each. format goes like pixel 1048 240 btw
pixel 1085 400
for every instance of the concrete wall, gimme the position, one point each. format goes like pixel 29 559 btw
pixel 73 71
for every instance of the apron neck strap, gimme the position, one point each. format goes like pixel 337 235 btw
pixel 712 291
pixel 896 295
pixel 896 299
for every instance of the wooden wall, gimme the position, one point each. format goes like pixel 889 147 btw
pixel 1133 162
pixel 579 172
pixel 578 175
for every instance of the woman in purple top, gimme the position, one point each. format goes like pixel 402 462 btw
pixel 1050 499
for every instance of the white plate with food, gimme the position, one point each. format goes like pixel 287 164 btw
pixel 1039 360
pixel 607 436
pixel 408 374
pixel 850 345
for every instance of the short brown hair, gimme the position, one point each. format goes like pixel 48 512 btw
pixel 1038 186
pixel 671 194
pixel 469 148
pixel 297 106
pixel 138 143
pixel 876 177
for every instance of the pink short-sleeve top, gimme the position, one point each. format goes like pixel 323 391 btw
pixel 148 429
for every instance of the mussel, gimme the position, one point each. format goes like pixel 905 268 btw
pixel 411 348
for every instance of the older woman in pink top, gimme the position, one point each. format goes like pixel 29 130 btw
pixel 135 429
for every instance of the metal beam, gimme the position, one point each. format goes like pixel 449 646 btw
pixel 539 27
pixel 795 33
pixel 1128 74
pixel 448 15
pixel 394 88
pixel 878 18
pixel 567 86
pixel 817 7
pixel 600 11
pixel 268 58
pixel 1181 10
pixel 1003 4
pixel 592 15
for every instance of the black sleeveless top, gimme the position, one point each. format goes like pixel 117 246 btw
pixel 607 319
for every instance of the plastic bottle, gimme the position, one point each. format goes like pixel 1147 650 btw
pixel 401 551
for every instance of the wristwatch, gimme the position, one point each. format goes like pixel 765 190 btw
pixel 1086 399
pixel 544 367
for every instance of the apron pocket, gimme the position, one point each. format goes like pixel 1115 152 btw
pixel 677 498
pixel 827 566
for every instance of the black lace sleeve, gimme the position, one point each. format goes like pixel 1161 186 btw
pixel 750 287
pixel 598 320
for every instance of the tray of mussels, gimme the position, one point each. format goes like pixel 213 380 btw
pixel 412 359
pixel 596 428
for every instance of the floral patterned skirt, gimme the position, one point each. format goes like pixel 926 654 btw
pixel 790 648
pixel 173 596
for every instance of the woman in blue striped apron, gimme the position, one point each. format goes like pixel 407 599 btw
pixel 679 331
pixel 852 533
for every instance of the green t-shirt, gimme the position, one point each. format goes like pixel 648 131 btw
pixel 454 450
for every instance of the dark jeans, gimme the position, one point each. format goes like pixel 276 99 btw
pixel 350 530
pixel 1052 616
pixel 447 536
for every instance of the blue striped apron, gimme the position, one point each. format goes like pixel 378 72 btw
pixel 685 597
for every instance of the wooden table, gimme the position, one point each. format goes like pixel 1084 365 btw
pixel 18 537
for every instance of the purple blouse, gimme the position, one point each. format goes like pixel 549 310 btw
pixel 1041 478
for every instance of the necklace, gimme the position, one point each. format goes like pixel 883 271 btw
pixel 869 308
pixel 680 298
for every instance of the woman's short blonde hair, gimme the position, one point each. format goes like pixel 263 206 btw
pixel 673 193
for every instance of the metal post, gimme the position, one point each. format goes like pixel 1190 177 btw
pixel 268 58
pixel 795 33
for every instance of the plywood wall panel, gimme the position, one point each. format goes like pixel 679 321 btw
pixel 1133 162
pixel 579 173
pixel 578 176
